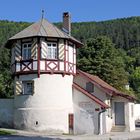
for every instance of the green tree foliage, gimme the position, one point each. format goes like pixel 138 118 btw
pixel 124 33
pixel 101 58
pixel 7 29
pixel 6 88
pixel 135 79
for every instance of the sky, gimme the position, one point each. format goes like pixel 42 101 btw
pixel 80 10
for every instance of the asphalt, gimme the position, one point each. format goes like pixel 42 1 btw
pixel 26 135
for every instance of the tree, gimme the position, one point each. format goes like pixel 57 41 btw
pixel 135 80
pixel 6 82
pixel 100 57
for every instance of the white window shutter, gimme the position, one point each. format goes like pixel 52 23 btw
pixel 18 86
pixel 61 50
pixel 18 51
pixel 34 49
pixel 43 49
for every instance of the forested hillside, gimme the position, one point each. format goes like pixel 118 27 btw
pixel 111 51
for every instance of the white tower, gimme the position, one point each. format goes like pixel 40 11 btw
pixel 43 65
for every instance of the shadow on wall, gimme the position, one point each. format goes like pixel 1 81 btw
pixel 14 137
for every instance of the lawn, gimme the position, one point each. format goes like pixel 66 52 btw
pixel 6 132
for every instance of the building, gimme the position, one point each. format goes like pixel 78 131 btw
pixel 51 95
pixel 100 107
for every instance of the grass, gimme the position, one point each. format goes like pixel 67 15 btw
pixel 6 132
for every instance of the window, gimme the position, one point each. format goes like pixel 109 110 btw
pixel 52 50
pixel 27 87
pixel 90 87
pixel 26 51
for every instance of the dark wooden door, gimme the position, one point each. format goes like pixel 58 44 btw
pixel 71 123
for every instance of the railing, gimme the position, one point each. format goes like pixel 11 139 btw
pixel 45 65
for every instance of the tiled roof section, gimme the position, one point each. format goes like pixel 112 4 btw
pixel 91 96
pixel 45 29
pixel 99 81
pixel 105 85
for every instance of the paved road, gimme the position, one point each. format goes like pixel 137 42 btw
pixel 28 138
pixel 25 135
pixel 64 138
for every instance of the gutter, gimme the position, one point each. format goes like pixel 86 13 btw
pixel 99 119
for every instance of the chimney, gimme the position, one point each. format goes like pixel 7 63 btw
pixel 66 23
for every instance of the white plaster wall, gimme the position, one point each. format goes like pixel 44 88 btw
pixel 109 114
pixel 74 68
pixel 85 116
pixel 35 65
pixel 129 119
pixel 6 112
pixel 131 116
pixel 97 91
pixel 48 108
pixel 42 65
pixel 103 124
pixel 109 123
pixel 61 66
pixel 106 122
pixel 71 54
pixel 80 81
pixel 99 94
pixel 137 111
pixel 17 67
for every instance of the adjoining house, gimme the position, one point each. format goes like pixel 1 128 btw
pixel 51 95
pixel 99 108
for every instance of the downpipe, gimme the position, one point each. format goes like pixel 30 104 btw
pixel 99 118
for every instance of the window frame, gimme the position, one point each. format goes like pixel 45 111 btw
pixel 53 55
pixel 26 57
pixel 24 88
pixel 91 90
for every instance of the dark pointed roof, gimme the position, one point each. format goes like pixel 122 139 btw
pixel 43 28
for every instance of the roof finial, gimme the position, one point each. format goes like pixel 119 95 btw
pixel 42 13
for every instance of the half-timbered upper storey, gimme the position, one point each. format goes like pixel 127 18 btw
pixel 43 48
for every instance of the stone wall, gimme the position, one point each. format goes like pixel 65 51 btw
pixel 6 112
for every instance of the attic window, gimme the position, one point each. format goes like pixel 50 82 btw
pixel 89 87
pixel 52 50
pixel 26 51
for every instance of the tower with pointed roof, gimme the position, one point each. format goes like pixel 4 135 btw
pixel 43 65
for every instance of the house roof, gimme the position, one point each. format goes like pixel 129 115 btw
pixel 91 96
pixel 105 86
pixel 43 28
